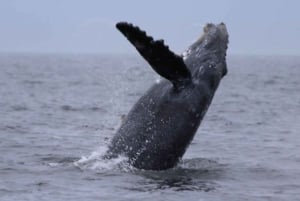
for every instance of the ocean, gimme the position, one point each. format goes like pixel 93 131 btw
pixel 59 112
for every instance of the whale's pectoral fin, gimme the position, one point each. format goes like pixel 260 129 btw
pixel 157 54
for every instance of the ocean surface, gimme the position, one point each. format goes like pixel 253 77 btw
pixel 58 113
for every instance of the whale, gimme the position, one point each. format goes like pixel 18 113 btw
pixel 162 123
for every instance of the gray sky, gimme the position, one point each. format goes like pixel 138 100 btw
pixel 87 26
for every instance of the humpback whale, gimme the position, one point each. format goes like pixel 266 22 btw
pixel 162 123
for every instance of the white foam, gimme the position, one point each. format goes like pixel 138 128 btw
pixel 95 161
pixel 53 164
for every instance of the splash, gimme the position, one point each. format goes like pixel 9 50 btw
pixel 95 161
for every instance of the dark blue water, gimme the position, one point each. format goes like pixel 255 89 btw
pixel 58 112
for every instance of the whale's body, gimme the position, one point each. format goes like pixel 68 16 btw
pixel 161 125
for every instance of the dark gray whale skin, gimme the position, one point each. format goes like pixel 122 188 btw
pixel 160 126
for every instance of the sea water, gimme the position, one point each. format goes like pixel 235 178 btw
pixel 58 113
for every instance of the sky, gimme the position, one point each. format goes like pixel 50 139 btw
pixel 88 26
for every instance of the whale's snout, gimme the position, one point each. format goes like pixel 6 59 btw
pixel 214 43
pixel 210 49
pixel 213 40
pixel 223 31
pixel 214 36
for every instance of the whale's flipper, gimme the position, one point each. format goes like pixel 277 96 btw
pixel 157 54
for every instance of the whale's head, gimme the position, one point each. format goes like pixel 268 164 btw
pixel 209 50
